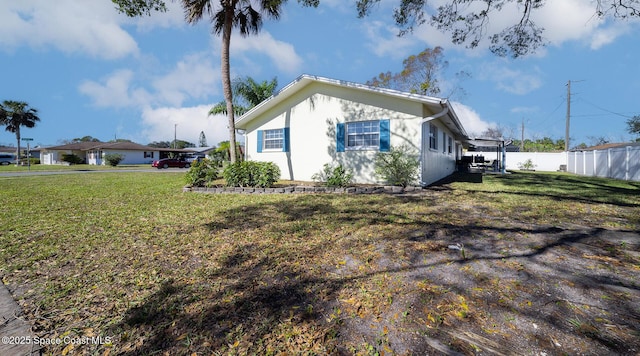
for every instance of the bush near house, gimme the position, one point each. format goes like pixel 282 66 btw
pixel 72 158
pixel 251 174
pixel 399 166
pixel 113 159
pixel 202 173
pixel 334 176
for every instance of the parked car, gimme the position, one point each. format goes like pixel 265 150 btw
pixel 195 157
pixel 6 159
pixel 170 162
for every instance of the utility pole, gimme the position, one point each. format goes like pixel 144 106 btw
pixel 566 133
pixel 175 142
pixel 522 137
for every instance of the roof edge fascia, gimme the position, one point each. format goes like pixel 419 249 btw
pixel 306 79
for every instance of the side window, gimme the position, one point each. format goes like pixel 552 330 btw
pixel 273 140
pixel 433 137
pixel 444 142
pixel 364 135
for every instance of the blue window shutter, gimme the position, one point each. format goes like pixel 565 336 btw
pixel 385 136
pixel 340 137
pixel 285 139
pixel 259 145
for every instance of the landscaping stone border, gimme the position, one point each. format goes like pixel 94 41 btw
pixel 305 190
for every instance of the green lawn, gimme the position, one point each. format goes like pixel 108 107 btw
pixel 131 257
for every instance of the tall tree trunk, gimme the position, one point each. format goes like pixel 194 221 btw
pixel 226 75
pixel 18 146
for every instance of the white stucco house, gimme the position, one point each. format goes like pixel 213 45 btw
pixel 93 152
pixel 316 120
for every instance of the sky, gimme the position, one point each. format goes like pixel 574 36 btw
pixel 90 71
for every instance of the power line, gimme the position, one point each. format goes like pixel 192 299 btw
pixel 549 115
pixel 606 110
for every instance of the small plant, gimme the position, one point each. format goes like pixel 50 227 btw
pixel 113 159
pixel 202 173
pixel 334 176
pixel 251 174
pixel 527 165
pixel 399 166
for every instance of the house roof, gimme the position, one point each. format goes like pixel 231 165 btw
pixel 607 146
pixel 123 145
pixel 435 105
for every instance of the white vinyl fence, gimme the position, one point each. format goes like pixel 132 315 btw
pixel 618 163
pixel 542 161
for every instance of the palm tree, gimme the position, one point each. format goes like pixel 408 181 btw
pixel 225 15
pixel 251 92
pixel 15 114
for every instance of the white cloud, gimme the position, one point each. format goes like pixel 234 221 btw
pixel 193 77
pixel 173 17
pixel 282 54
pixel 471 121
pixel 116 91
pixel 87 27
pixel 605 36
pixel 511 80
pixel 567 20
pixel 524 109
pixel 384 40
pixel 159 124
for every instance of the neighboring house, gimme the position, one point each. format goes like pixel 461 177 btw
pixel 34 152
pixel 315 120
pixel 94 152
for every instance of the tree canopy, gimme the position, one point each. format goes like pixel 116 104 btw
pixel 467 21
pixel 633 126
pixel 202 140
pixel 247 93
pixel 16 114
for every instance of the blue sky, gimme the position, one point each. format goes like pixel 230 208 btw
pixel 92 71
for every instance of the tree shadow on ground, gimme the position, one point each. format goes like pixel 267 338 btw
pixel 331 273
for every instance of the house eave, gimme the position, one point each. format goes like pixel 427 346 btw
pixel 306 79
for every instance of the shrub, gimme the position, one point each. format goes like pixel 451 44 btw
pixel 113 159
pixel 399 166
pixel 71 158
pixel 202 173
pixel 251 174
pixel 527 165
pixel 334 176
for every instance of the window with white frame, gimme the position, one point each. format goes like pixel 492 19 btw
pixel 273 139
pixel 450 145
pixel 433 137
pixel 363 134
